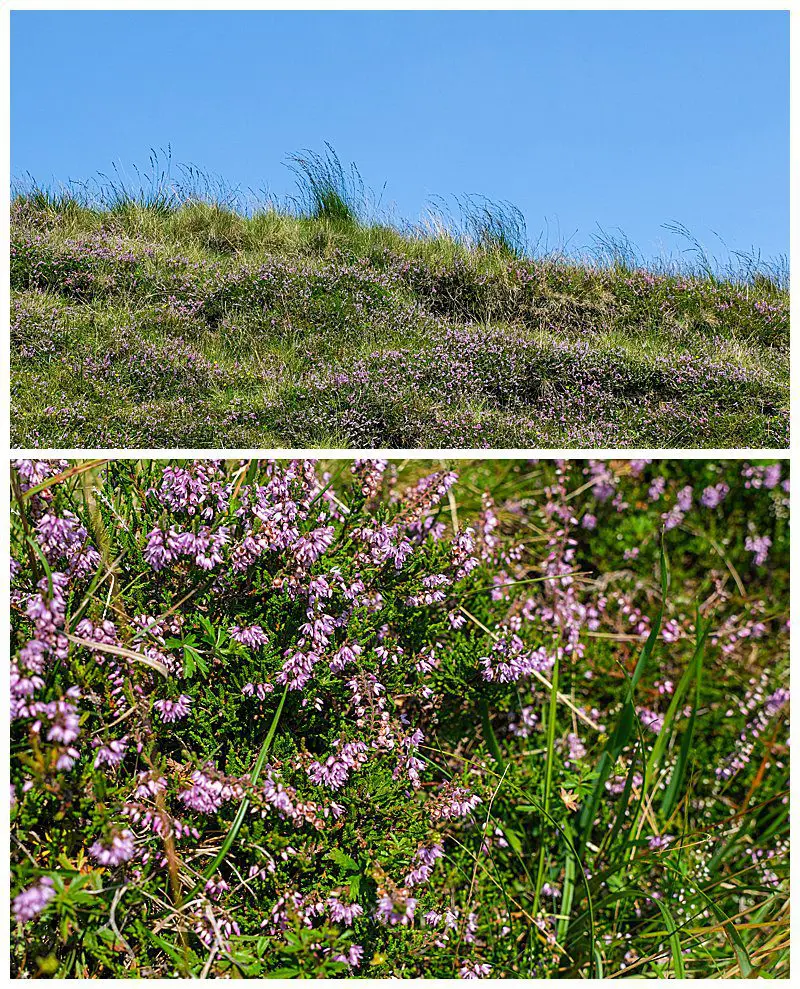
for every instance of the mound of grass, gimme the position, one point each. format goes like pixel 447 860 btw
pixel 167 319
pixel 507 718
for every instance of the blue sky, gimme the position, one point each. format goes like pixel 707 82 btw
pixel 626 120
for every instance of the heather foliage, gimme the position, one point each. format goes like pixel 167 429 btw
pixel 377 719
pixel 172 321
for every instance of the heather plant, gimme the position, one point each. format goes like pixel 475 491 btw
pixel 319 324
pixel 382 719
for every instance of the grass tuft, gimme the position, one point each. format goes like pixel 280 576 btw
pixel 327 190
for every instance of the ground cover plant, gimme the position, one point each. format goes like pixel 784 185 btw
pixel 404 719
pixel 169 314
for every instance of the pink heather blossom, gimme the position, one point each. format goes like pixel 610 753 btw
pixel 453 801
pixel 353 957
pixel 64 537
pixel 651 720
pixel 755 728
pixel 671 631
pixel 510 661
pixel 30 902
pixel 474 970
pixel 120 850
pixel 425 858
pixel 111 753
pixel 250 635
pixel 336 769
pixel 259 689
pixel 209 792
pixel 369 474
pixel 348 653
pixel 759 547
pixel 673 518
pixel 343 913
pixel 713 496
pixel 396 909
pixel 173 710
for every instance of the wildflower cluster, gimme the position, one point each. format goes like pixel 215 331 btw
pixel 298 719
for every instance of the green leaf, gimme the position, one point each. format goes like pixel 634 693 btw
pixel 679 771
pixel 674 938
pixel 343 860
pixel 192 660
pixel 676 703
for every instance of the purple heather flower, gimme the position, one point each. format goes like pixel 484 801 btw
pixel 712 496
pixel 759 547
pixel 684 500
pixel 336 769
pixel 672 518
pixel 120 850
pixel 348 653
pixel 112 753
pixel 426 859
pixel 474 970
pixel 259 689
pixel 395 910
pixel 453 801
pixel 249 635
pixel 207 793
pixel 65 538
pixel 32 901
pixel 309 548
pixel 353 957
pixel 173 710
pixel 343 913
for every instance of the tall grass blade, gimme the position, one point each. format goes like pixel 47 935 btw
pixel 676 702
pixel 674 938
pixel 679 772
pixel 240 814
pixel 552 711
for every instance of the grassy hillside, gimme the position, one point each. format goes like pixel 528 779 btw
pixel 161 321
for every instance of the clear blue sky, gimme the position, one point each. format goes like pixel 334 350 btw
pixel 628 120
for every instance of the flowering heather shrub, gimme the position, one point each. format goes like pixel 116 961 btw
pixel 501 718
pixel 131 328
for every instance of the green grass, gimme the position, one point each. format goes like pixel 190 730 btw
pixel 157 318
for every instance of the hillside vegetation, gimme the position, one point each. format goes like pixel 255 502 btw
pixel 384 719
pixel 168 319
